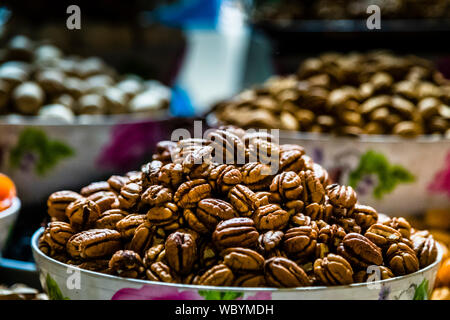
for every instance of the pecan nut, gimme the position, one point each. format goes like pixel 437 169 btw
pixel 57 234
pixel 292 159
pixel 142 237
pixel 360 251
pixel 164 151
pixel 321 174
pixel 109 219
pixel 154 254
pixel 105 200
pixel 402 259
pixel 364 216
pixel 261 149
pixel 94 243
pixel 243 200
pixel 159 271
pixel 333 270
pixel 117 182
pixel 95 187
pixel 250 280
pixel 197 164
pixel 242 259
pixel 382 235
pixel 319 211
pixel 287 186
pixel 300 241
pixel 181 252
pixel 82 213
pixel 281 272
pixel 126 263
pixel 270 217
pixel 212 211
pixel 98 265
pixel 294 207
pixel 426 250
pixel 224 177
pixel 130 195
pixel 218 275
pixel 157 195
pixel 228 148
pixel 193 222
pixel 332 235
pixel 150 173
pixel 269 240
pixel 171 175
pixel 313 191
pixel 191 192
pixel 341 196
pixel 163 215
pixel 236 232
pixel 58 202
pixel 401 225
pixel 128 225
pixel 256 176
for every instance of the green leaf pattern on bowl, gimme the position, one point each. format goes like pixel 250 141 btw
pixel 421 292
pixel 389 175
pixel 220 295
pixel 35 141
pixel 53 290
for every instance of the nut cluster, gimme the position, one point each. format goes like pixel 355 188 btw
pixel 352 94
pixel 37 79
pixel 286 10
pixel 200 222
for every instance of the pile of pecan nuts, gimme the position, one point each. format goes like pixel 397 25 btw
pixel 348 94
pixel 185 219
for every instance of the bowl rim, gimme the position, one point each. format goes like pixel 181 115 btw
pixel 212 121
pixel 36 250
pixel 156 115
pixel 11 210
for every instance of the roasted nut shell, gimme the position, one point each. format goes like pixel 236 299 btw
pixel 236 232
pixel 281 272
pixel 94 243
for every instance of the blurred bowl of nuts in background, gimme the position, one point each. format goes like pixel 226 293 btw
pixel 376 121
pixel 63 112
pixel 65 281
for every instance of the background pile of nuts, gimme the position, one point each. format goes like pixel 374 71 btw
pixel 348 9
pixel 37 79
pixel 348 94
pixel 20 291
pixel 182 220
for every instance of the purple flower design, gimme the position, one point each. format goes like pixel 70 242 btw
pixel 130 143
pixel 384 293
pixel 155 292
pixel 261 295
pixel 441 181
pixel 317 155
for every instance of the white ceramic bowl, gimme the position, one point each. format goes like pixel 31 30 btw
pixel 75 155
pixel 422 164
pixel 62 281
pixel 7 219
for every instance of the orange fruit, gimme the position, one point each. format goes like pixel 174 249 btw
pixel 443 276
pixel 7 191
